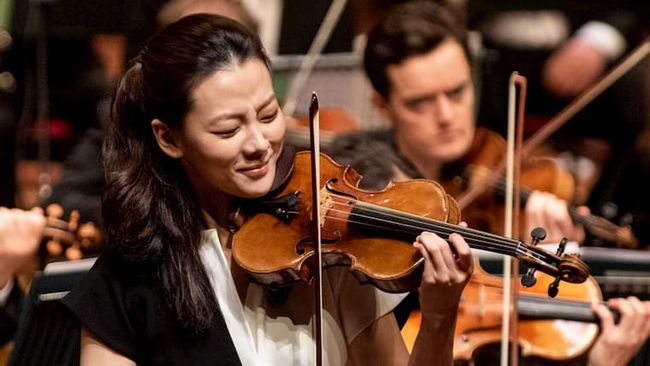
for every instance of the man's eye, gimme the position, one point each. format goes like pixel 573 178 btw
pixel 417 105
pixel 456 93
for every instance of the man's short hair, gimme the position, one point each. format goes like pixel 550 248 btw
pixel 409 29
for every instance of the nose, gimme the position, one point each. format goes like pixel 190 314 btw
pixel 444 109
pixel 256 143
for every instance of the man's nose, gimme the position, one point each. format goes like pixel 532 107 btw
pixel 444 109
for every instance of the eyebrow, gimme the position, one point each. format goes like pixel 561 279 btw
pixel 431 96
pixel 238 115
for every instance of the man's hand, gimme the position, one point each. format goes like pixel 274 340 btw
pixel 618 343
pixel 551 213
pixel 20 234
pixel 571 69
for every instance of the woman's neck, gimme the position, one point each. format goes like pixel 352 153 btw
pixel 219 208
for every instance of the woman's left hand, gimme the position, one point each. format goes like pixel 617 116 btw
pixel 448 266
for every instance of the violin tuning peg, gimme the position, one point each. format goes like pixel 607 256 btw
pixel 554 287
pixel 529 279
pixel 74 220
pixel 73 253
pixel 561 247
pixel 54 248
pixel 54 210
pixel 538 234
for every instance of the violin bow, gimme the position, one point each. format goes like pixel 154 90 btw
pixel 637 55
pixel 516 106
pixel 316 223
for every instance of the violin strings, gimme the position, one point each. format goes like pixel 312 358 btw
pixel 539 300
pixel 475 236
pixel 403 228
pixel 495 294
pixel 444 227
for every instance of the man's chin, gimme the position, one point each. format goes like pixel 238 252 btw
pixel 450 157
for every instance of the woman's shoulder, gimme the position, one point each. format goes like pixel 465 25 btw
pixel 118 303
pixel 114 285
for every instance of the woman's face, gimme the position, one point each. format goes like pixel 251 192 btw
pixel 232 136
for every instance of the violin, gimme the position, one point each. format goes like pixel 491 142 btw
pixel 333 121
pixel 369 231
pixel 540 334
pixel 68 240
pixel 541 174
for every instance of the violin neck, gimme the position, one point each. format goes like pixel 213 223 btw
pixel 535 307
pixel 596 225
pixel 407 226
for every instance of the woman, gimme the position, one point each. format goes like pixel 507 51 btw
pixel 197 127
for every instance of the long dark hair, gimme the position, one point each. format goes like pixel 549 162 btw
pixel 151 214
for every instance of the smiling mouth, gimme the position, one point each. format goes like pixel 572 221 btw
pixel 256 171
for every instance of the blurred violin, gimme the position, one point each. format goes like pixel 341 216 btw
pixel 68 240
pixel 333 121
pixel 370 231
pixel 541 174
pixel 540 333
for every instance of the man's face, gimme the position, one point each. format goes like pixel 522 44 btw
pixel 430 105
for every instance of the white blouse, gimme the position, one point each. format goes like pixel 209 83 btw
pixel 264 334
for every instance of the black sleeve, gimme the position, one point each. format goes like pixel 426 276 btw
pixel 100 304
pixel 9 314
pixel 123 305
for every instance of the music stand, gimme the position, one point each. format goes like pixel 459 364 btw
pixel 48 333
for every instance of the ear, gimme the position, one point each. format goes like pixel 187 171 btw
pixel 381 104
pixel 166 139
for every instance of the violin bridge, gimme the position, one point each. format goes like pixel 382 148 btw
pixel 326 204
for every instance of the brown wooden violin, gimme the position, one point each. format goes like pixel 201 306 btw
pixel 369 231
pixel 541 174
pixel 558 329
pixel 68 240
pixel 333 121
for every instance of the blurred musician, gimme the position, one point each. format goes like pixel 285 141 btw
pixel 418 62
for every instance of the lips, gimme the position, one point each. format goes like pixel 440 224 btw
pixel 255 171
pixel 448 136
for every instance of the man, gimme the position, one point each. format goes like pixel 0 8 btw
pixel 420 70
pixel 20 235
pixel 418 62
